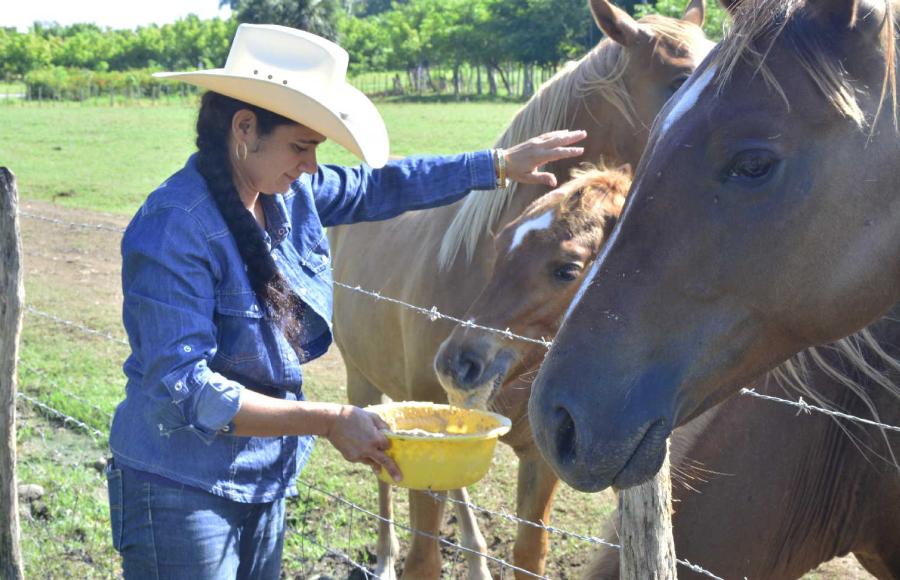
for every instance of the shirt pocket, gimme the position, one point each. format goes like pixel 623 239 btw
pixel 239 332
pixel 318 257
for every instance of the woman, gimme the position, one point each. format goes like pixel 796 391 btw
pixel 227 291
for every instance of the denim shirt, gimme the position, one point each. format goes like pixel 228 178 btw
pixel 199 337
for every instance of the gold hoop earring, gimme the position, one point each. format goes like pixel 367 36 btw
pixel 240 151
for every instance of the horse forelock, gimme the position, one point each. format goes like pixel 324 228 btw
pixel 758 24
pixel 860 359
pixel 598 74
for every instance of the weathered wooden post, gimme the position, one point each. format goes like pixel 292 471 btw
pixel 645 529
pixel 12 295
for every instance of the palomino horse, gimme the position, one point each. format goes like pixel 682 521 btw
pixel 740 510
pixel 613 92
pixel 763 218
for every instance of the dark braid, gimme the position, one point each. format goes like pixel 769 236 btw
pixel 214 164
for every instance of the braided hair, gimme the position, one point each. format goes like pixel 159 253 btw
pixel 215 165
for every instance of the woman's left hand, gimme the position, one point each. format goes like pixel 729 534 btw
pixel 524 160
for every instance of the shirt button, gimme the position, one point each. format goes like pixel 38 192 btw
pixel 226 429
pixel 179 386
pixel 282 231
pixel 186 348
pixel 160 426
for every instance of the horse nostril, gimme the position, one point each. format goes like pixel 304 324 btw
pixel 565 436
pixel 468 368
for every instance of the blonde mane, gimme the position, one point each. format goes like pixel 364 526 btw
pixel 758 24
pixel 600 72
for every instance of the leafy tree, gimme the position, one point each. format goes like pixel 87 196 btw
pixel 316 16
pixel 713 25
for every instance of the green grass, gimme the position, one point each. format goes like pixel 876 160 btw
pixel 109 158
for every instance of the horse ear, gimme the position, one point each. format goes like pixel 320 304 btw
pixel 695 12
pixel 615 22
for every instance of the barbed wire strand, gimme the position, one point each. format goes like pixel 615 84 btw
pixel 433 314
pixel 59 389
pixel 75 325
pixel 439 539
pixel 66 419
pixel 555 530
pixel 59 222
pixel 807 408
pixel 338 554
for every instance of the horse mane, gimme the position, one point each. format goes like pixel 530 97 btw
pixel 600 72
pixel 757 24
pixel 860 359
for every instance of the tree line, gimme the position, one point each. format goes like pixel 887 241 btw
pixel 412 37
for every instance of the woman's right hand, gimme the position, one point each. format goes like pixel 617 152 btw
pixel 358 435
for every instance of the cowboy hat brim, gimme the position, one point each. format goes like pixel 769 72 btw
pixel 349 117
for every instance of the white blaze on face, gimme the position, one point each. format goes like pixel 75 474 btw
pixel 688 98
pixel 542 222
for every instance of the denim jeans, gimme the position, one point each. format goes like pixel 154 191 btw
pixel 173 531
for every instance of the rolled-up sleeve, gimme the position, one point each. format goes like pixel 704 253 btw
pixel 351 194
pixel 169 300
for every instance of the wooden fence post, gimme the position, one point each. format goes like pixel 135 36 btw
pixel 12 295
pixel 645 529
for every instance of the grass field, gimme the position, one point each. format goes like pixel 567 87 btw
pixel 95 165
pixel 109 158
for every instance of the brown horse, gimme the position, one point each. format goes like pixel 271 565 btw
pixel 741 510
pixel 613 92
pixel 541 256
pixel 763 219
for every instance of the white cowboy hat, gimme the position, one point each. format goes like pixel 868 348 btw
pixel 300 76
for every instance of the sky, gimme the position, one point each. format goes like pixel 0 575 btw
pixel 115 14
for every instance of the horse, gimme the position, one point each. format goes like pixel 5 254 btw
pixel 613 92
pixel 782 235
pixel 740 511
pixel 541 255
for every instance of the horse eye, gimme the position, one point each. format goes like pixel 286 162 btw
pixel 751 165
pixel 567 273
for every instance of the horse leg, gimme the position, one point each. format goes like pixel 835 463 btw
pixel 471 537
pixel 388 548
pixel 537 484
pixel 361 392
pixel 423 562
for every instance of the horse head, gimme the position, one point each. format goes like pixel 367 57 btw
pixel 541 258
pixel 763 219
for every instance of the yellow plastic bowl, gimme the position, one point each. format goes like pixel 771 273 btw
pixel 439 447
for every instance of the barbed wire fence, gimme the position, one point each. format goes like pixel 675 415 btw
pixel 352 507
